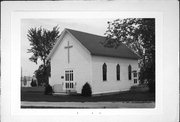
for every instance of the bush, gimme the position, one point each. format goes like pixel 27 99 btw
pixel 33 84
pixel 86 90
pixel 48 90
pixel 139 88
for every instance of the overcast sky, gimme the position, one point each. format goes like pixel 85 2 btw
pixel 94 26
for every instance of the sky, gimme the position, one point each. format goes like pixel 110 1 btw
pixel 94 26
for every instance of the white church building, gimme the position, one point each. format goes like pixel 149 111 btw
pixel 79 57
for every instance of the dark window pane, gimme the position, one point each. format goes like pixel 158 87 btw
pixel 118 72
pixel 104 72
pixel 65 77
pixel 135 74
pixel 129 72
pixel 135 80
pixel 66 85
pixel 71 76
pixel 68 77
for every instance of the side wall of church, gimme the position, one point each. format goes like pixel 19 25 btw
pixel 111 84
pixel 80 63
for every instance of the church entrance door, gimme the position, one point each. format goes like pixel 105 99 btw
pixel 69 83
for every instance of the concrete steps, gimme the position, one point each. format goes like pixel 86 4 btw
pixel 58 90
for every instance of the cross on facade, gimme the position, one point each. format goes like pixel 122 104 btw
pixel 68 47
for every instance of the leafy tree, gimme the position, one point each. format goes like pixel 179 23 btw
pixel 39 73
pixel 48 90
pixel 139 35
pixel 41 42
pixel 42 72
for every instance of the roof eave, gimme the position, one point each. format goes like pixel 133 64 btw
pixel 134 58
pixel 55 46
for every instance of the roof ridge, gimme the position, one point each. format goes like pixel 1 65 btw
pixel 85 32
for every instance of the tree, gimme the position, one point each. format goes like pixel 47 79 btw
pixel 39 73
pixel 139 35
pixel 41 42
pixel 42 72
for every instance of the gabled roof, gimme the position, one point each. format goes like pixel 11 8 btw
pixel 93 44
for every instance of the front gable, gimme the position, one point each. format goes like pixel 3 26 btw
pixel 66 37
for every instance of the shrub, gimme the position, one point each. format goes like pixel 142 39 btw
pixel 139 88
pixel 133 88
pixel 48 90
pixel 33 84
pixel 86 90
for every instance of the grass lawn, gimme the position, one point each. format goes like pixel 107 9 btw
pixel 36 94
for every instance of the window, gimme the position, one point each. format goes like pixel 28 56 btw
pixel 118 72
pixel 69 75
pixel 129 72
pixel 135 74
pixel 104 68
pixel 135 81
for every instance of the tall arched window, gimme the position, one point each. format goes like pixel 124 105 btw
pixel 129 72
pixel 118 72
pixel 104 68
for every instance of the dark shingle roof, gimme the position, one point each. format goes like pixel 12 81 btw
pixel 93 44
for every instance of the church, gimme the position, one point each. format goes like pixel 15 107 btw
pixel 79 57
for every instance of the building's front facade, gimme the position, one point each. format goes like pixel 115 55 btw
pixel 77 70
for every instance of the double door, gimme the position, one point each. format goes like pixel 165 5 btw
pixel 69 83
